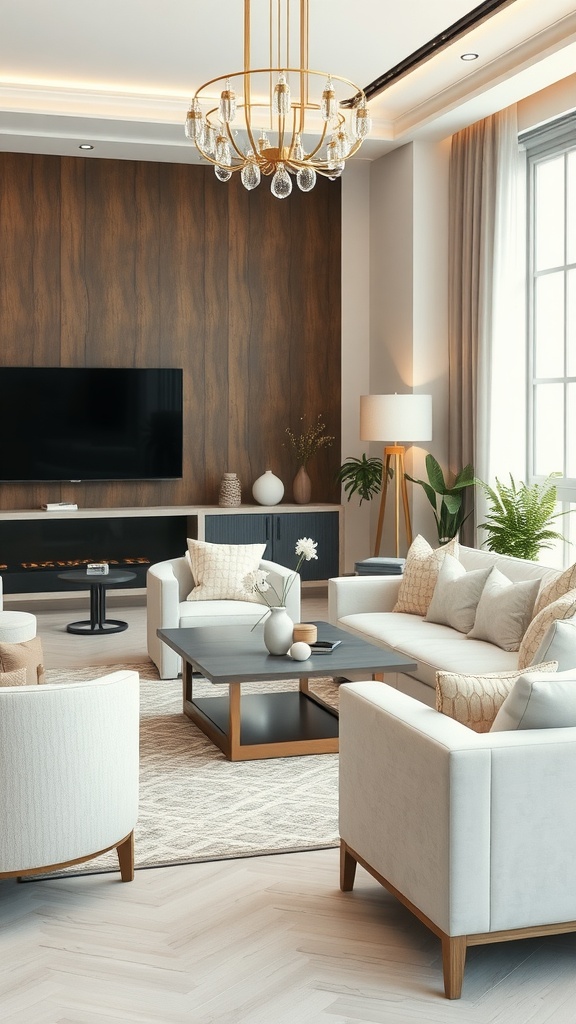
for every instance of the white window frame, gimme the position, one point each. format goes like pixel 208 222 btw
pixel 541 144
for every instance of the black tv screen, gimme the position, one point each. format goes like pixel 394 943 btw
pixel 69 423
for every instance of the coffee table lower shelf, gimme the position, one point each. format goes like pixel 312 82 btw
pixel 283 724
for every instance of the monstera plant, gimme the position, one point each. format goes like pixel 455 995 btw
pixel 447 500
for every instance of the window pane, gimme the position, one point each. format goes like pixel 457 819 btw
pixel 548 429
pixel 549 213
pixel 549 326
pixel 571 212
pixel 571 322
pixel 571 431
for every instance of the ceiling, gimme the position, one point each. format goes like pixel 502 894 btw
pixel 119 74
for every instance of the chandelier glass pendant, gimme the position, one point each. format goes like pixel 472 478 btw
pixel 279 121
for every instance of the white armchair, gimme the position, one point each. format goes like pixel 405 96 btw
pixel 167 587
pixel 473 832
pixel 69 779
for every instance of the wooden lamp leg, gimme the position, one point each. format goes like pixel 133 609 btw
pixel 394 454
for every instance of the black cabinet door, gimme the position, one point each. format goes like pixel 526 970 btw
pixel 322 527
pixel 280 532
pixel 240 529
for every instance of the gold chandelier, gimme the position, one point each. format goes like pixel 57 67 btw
pixel 266 120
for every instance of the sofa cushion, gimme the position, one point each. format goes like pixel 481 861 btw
pixel 563 608
pixel 219 570
pixel 220 613
pixel 420 574
pixel 558 644
pixel 474 700
pixel 27 655
pixel 504 611
pixel 539 701
pixel 430 645
pixel 550 592
pixel 456 595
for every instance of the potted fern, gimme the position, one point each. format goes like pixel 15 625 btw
pixel 520 517
pixel 361 476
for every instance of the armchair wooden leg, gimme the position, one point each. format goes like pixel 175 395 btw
pixel 453 962
pixel 125 851
pixel 347 868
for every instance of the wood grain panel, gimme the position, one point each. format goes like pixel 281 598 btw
pixel 120 263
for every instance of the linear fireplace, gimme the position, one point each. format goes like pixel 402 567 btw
pixel 34 551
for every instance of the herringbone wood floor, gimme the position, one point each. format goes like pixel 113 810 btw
pixel 267 940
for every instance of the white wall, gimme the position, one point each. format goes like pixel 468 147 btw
pixel 408 302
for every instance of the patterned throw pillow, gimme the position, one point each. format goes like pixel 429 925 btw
pixel 27 655
pixel 504 611
pixel 219 570
pixel 474 700
pixel 557 588
pixel 17 677
pixel 420 574
pixel 563 608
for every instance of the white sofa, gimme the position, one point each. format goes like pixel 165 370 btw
pixel 474 833
pixel 167 587
pixel 363 605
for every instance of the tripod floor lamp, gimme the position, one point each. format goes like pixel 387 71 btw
pixel 406 419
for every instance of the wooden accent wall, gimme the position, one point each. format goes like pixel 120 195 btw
pixel 121 263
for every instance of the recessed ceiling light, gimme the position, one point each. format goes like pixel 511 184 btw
pixel 85 145
pixel 469 56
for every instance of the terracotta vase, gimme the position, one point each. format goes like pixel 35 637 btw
pixel 302 487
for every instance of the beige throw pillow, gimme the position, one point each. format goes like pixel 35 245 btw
pixel 504 611
pixel 557 588
pixel 474 700
pixel 219 570
pixel 563 608
pixel 27 655
pixel 420 574
pixel 456 595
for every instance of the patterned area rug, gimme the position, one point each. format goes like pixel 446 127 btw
pixel 197 806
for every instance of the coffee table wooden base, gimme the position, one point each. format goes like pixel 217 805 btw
pixel 252 727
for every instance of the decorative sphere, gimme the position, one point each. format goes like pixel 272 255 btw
pixel 300 651
pixel 268 489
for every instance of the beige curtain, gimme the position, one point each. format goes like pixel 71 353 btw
pixel 484 165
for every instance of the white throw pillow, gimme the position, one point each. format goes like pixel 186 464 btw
pixel 456 595
pixel 420 575
pixel 504 611
pixel 559 643
pixel 474 700
pixel 539 701
pixel 563 608
pixel 219 570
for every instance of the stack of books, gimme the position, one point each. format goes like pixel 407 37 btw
pixel 380 567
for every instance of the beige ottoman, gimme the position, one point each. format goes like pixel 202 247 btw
pixel 21 659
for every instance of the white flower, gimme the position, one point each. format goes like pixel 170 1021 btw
pixel 255 582
pixel 306 547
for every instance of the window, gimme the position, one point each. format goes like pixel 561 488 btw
pixel 551 320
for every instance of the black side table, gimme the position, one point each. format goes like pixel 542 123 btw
pixel 98 623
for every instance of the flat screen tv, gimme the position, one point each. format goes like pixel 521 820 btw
pixel 69 423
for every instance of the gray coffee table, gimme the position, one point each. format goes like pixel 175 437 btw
pixel 247 727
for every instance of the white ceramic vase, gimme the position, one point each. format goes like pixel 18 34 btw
pixel 268 489
pixel 278 631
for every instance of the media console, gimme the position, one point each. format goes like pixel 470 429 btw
pixel 36 546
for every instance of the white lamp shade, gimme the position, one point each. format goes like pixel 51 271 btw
pixel 396 418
